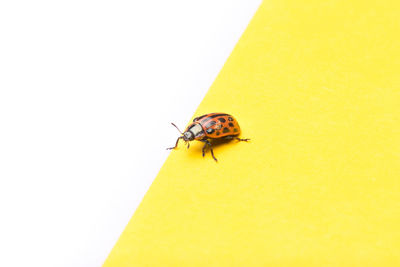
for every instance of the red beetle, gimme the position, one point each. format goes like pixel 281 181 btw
pixel 208 127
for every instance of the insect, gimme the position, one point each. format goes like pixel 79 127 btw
pixel 210 126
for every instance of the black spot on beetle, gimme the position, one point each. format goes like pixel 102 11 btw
pixel 217 133
pixel 225 130
pixel 210 131
pixel 230 119
pixel 235 130
pixel 231 124
pixel 221 119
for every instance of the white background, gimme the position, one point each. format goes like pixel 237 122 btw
pixel 87 92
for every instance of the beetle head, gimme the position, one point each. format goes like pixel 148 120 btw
pixel 188 136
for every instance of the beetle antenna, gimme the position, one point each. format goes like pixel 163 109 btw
pixel 176 128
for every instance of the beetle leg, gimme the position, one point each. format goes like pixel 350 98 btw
pixel 204 148
pixel 188 145
pixel 207 143
pixel 212 153
pixel 176 144
pixel 230 137
pixel 245 139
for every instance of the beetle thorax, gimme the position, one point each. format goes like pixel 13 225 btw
pixel 193 131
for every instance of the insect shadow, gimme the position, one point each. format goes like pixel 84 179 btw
pixel 211 144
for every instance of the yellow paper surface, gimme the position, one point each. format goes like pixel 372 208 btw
pixel 316 86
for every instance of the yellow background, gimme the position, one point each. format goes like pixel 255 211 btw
pixel 316 86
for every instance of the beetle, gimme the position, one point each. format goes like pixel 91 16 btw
pixel 209 127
